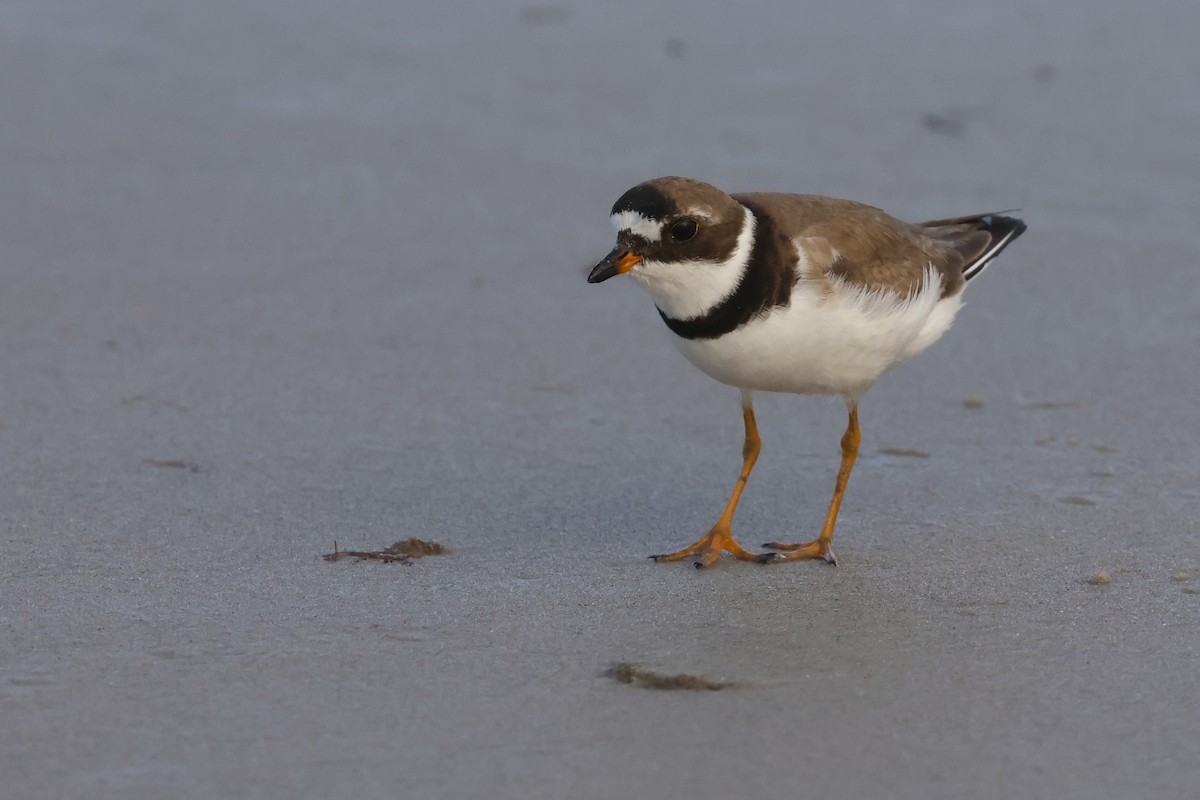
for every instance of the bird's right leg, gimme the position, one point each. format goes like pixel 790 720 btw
pixel 819 548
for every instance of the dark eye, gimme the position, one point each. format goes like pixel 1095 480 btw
pixel 683 230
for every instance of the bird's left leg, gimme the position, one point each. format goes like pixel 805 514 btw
pixel 708 548
pixel 820 548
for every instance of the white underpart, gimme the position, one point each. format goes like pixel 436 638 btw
pixel 803 263
pixel 635 223
pixel 687 289
pixel 827 344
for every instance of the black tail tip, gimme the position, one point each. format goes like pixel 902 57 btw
pixel 1004 230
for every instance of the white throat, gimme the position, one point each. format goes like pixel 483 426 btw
pixel 685 290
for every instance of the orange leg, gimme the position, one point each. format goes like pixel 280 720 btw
pixel 708 548
pixel 820 548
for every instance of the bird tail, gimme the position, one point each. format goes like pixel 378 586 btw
pixel 978 238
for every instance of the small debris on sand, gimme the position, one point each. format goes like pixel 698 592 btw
pixel 1180 577
pixel 1101 578
pixel 903 451
pixel 1050 406
pixel 172 463
pixel 1076 500
pixel 648 679
pixel 951 122
pixel 972 402
pixel 403 551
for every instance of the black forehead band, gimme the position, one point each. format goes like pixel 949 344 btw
pixel 647 201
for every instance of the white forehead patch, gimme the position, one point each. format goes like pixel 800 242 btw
pixel 635 223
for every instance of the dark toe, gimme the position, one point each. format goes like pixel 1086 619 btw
pixel 767 558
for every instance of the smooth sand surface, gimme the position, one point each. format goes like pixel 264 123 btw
pixel 274 274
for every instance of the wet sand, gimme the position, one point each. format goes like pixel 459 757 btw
pixel 275 275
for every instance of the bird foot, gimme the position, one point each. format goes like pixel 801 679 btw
pixel 798 552
pixel 708 548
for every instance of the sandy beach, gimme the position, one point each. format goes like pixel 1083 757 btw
pixel 275 275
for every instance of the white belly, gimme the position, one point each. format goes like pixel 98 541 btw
pixel 825 345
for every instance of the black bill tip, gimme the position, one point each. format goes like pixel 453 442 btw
pixel 618 262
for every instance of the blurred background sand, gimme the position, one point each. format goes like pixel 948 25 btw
pixel 278 273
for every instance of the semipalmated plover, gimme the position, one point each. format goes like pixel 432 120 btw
pixel 793 293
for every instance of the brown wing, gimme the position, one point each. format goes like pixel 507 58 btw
pixel 864 246
pixel 879 252
pixel 861 245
